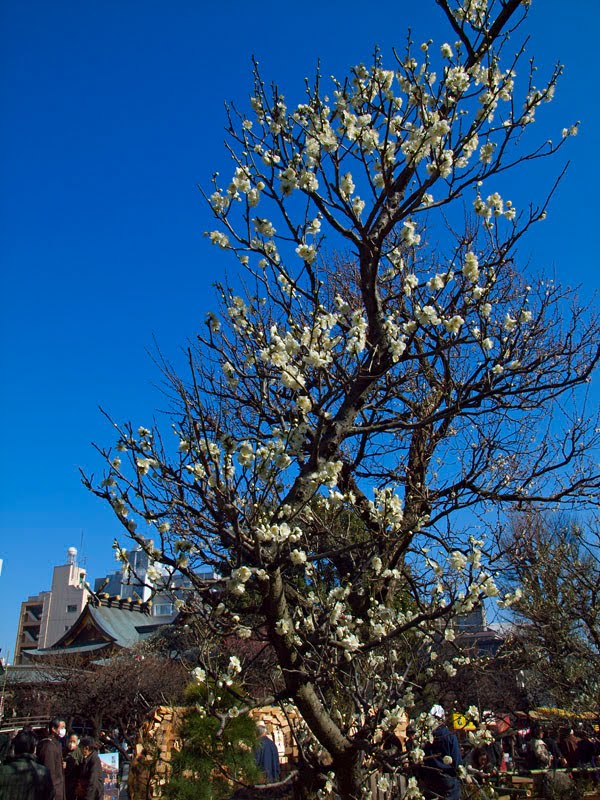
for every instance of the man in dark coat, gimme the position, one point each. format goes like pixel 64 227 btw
pixel 568 746
pixel 439 773
pixel 22 777
pixel 266 755
pixel 50 754
pixel 91 778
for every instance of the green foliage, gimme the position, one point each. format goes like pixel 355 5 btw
pixel 555 564
pixel 212 762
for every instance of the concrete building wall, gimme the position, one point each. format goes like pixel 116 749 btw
pixel 45 617
pixel 68 597
pixel 30 623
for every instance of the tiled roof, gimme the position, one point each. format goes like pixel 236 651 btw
pixel 103 625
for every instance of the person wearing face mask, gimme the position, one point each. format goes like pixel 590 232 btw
pixel 73 761
pixel 50 754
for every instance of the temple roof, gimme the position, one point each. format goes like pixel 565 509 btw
pixel 105 625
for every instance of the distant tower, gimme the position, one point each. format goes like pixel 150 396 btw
pixel 72 556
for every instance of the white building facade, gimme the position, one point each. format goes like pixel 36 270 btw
pixel 46 616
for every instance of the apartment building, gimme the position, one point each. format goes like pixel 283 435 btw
pixel 45 617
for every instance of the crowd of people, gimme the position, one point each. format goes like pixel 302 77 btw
pixel 564 748
pixel 53 766
pixel 57 765
pixel 446 765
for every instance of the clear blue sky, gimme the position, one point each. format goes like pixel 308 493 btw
pixel 112 113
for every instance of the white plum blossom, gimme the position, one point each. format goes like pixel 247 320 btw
pixel 153 573
pixel 307 252
pixel 409 235
pixel 219 238
pixel 245 454
pixel 347 186
pixel 314 227
pixel 458 560
pixel 413 792
pixel 304 403
pixel 218 202
pixel 358 206
pixel 436 283
pixel 253 197
pixel 525 317
pixel 454 324
pixel 264 227
pixel 457 80
pixel 495 203
pixel 282 627
pixel 427 316
pixel 486 152
pixel 510 598
pixel 308 181
pixel 410 283
pixel 234 667
pixel 242 574
pixel 240 181
pixel 471 267
pixel 198 675
pixel 144 465
pixel 357 335
pixel 298 557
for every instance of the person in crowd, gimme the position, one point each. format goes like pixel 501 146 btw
pixel 493 749
pixel 439 772
pixel 22 777
pixel 494 754
pixel 479 764
pixel 266 755
pixel 4 746
pixel 409 741
pixel 568 746
pixel 551 742
pixel 73 761
pixel 90 785
pixel 586 750
pixel 50 754
pixel 537 754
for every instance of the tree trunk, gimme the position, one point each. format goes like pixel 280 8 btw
pixel 349 775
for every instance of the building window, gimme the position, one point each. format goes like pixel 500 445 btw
pixel 162 609
pixel 71 609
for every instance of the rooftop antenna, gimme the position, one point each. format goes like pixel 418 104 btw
pixel 83 558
